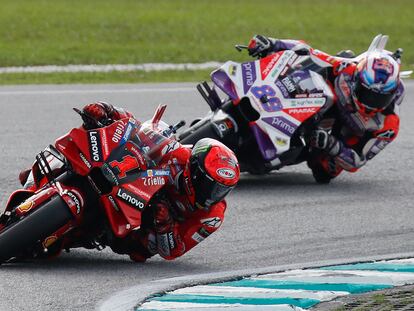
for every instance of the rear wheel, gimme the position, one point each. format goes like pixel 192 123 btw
pixel 23 234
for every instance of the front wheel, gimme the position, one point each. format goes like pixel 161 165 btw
pixel 25 233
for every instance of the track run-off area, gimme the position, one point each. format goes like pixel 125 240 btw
pixel 279 219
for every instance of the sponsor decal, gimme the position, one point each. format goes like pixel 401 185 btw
pixel 300 102
pixel 154 181
pixel 105 143
pixel 282 124
pixel 110 175
pixel 213 222
pixel 151 173
pixel 313 95
pixel 118 132
pixel 163 244
pixel 95 146
pixel 281 64
pixel 267 64
pixel 75 201
pixel 226 173
pixel 49 241
pixel 223 127
pixel 200 149
pixel 173 145
pixel 302 110
pixel 83 158
pixel 25 207
pixel 289 84
pixel 292 59
pixel 248 75
pixel 388 134
pixel 282 89
pixel 171 241
pixel 284 71
pixel 127 133
pixel 130 198
pixel 301 114
pixel 203 232
pixel 197 237
pixel 232 70
pixel 112 200
pixel 138 191
pixel 281 141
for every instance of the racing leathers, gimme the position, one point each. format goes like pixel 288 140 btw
pixel 179 225
pixel 346 139
pixel 173 225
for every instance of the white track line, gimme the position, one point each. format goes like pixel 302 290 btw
pixel 253 292
pixel 342 276
pixel 188 306
pixel 98 91
pixel 109 68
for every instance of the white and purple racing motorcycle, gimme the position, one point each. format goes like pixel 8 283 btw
pixel 273 105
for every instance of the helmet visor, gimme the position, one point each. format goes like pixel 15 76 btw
pixel 370 99
pixel 207 190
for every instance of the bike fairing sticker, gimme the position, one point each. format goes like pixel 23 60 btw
pixel 95 147
pixel 248 75
pixel 130 198
pixel 282 124
pixel 75 200
pixel 127 133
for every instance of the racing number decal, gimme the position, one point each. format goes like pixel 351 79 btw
pixel 127 164
pixel 273 103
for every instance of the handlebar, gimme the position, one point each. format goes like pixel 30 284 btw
pixel 240 47
pixel 172 129
pixel 87 118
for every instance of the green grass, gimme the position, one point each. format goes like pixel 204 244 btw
pixel 111 77
pixel 130 31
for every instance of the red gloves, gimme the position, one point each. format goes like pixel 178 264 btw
pixel 163 220
pixel 97 114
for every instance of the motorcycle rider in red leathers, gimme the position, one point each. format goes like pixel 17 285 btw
pixel 367 98
pixel 192 208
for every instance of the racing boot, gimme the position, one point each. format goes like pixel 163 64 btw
pixel 346 54
pixel 323 168
pixel 136 245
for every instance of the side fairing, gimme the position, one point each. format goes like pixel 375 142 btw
pixel 284 97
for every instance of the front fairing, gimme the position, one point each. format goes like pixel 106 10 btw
pixel 123 161
pixel 283 90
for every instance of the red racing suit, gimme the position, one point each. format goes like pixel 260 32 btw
pixel 359 137
pixel 188 225
pixel 191 225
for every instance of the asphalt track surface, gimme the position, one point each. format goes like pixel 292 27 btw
pixel 277 219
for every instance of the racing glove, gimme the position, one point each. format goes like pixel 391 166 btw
pixel 163 220
pixel 97 114
pixel 260 46
pixel 321 139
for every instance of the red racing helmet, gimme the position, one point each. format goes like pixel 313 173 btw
pixel 214 172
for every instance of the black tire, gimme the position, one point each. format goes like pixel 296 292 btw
pixel 38 225
pixel 205 131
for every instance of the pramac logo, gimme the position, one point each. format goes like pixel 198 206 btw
pixel 226 173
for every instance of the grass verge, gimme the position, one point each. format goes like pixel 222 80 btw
pixel 110 77
pixel 64 32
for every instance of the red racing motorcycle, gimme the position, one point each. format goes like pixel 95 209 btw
pixel 93 186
